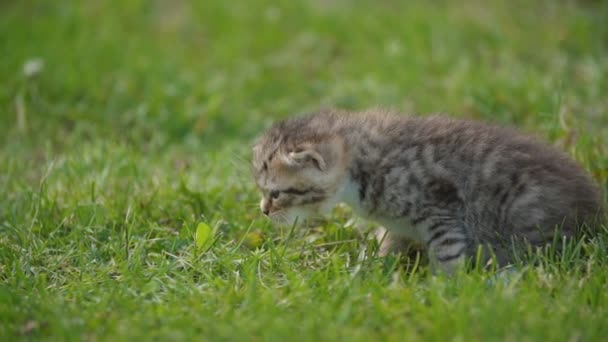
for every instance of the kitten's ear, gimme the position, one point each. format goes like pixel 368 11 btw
pixel 305 156
pixel 323 155
pixel 256 149
pixel 256 154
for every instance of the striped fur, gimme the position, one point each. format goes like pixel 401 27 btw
pixel 451 185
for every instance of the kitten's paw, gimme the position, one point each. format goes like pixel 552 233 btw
pixel 391 243
pixel 506 276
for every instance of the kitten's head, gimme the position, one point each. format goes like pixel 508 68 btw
pixel 299 172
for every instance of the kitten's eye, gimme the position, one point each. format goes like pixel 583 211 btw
pixel 294 191
pixel 274 194
pixel 265 166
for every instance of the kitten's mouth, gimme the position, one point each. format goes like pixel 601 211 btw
pixel 277 216
pixel 283 218
pixel 290 216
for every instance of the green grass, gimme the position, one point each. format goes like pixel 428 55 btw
pixel 139 125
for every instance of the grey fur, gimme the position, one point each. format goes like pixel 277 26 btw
pixel 452 185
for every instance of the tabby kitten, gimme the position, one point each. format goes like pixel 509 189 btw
pixel 450 185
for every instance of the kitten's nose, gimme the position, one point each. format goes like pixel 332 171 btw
pixel 265 206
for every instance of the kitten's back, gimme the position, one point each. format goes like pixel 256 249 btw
pixel 510 183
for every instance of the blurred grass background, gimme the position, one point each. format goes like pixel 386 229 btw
pixel 133 121
pixel 177 69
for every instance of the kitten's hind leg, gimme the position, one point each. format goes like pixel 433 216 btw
pixel 447 246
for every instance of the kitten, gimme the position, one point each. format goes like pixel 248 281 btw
pixel 450 185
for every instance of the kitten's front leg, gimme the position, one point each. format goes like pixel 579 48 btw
pixel 389 242
pixel 392 243
pixel 447 246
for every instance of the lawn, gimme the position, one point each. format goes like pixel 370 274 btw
pixel 125 125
